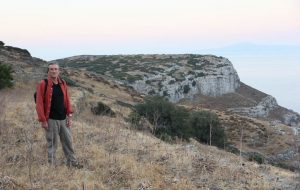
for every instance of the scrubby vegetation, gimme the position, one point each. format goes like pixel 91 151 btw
pixel 256 157
pixel 170 121
pixel 69 81
pixel 194 83
pixel 6 78
pixel 103 109
pixel 186 89
pixel 192 61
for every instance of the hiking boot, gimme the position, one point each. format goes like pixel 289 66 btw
pixel 75 165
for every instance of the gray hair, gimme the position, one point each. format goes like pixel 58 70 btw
pixel 53 63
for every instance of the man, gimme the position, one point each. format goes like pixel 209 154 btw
pixel 54 112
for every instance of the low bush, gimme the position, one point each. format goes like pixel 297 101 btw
pixel 69 81
pixel 6 78
pixel 171 121
pixel 283 165
pixel 207 128
pixel 256 157
pixel 192 61
pixel 194 83
pixel 186 89
pixel 134 118
pixel 103 109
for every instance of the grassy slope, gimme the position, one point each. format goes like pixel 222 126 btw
pixel 114 156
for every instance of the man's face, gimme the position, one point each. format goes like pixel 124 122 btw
pixel 53 71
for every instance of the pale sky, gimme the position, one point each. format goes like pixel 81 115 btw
pixel 52 29
pixel 57 28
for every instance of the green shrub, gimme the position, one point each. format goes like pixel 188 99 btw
pixel 204 123
pixel 134 118
pixel 160 86
pixel 254 156
pixel 221 65
pixel 156 109
pixel 170 121
pixel 133 78
pixel 283 165
pixel 165 93
pixel 102 109
pixel 191 73
pixel 171 81
pixel 194 83
pixel 201 74
pixel 167 119
pixel 231 148
pixel 186 88
pixel 69 81
pixel 192 61
pixel 152 92
pixel 6 78
pixel 179 126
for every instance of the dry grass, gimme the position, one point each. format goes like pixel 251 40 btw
pixel 116 157
pixel 106 90
pixel 259 135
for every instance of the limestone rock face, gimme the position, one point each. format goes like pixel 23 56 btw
pixel 183 76
pixel 263 108
pixel 209 75
pixel 173 76
pixel 292 119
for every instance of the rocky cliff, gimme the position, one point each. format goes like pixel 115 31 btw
pixel 206 75
pixel 21 61
pixel 185 76
pixel 262 109
pixel 173 76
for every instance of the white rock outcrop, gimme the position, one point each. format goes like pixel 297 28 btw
pixel 212 77
pixel 263 108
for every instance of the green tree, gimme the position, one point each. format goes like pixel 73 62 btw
pixel 157 110
pixel 167 119
pixel 6 77
pixel 207 128
pixel 179 126
pixel 171 121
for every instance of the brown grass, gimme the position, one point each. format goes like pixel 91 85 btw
pixel 117 157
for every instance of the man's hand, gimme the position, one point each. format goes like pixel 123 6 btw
pixel 45 125
pixel 69 122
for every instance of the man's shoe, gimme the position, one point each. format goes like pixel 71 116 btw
pixel 75 165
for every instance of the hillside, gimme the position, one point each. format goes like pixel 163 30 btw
pixel 205 80
pixel 116 156
pixel 200 82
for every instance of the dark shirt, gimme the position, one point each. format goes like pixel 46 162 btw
pixel 57 110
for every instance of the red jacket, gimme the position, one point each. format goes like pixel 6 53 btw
pixel 43 104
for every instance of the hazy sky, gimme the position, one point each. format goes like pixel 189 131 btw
pixel 60 28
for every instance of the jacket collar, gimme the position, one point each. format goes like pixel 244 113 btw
pixel 58 79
